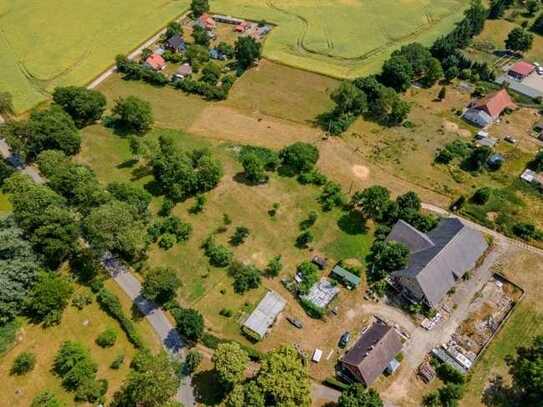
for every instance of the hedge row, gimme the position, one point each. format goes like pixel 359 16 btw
pixel 111 305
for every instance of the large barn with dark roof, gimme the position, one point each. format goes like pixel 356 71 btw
pixel 438 259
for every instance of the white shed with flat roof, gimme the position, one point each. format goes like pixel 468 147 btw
pixel 264 315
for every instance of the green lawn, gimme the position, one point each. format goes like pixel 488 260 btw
pixel 44 44
pixel 344 38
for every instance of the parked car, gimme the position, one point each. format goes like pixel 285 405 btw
pixel 344 340
pixel 511 139
pixel 539 70
pixel 297 323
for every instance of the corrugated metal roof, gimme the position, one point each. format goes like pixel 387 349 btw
pixel 346 275
pixel 265 313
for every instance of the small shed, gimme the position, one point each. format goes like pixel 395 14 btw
pixel 532 177
pixel 486 141
pixel 264 315
pixel 392 366
pixel 346 277
pixel 317 355
pixel 495 161
pixel 521 70
pixel 183 71
pixel 319 261
pixel 215 53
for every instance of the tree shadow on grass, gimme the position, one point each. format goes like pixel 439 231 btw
pixel 207 388
pixel 352 223
pixel 498 394
pixel 240 178
pixel 140 172
pixel 153 187
pixel 127 164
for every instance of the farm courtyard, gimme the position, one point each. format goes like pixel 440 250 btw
pixel 40 50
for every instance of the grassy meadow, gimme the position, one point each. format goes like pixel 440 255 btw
pixel 338 235
pixel 345 38
pixel 76 325
pixel 44 44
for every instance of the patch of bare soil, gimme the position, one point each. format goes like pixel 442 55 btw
pixel 451 127
pixel 228 124
pixel 361 172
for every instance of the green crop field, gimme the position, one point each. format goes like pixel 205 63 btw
pixel 56 42
pixel 344 38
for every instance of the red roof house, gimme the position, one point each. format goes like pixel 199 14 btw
pixel 207 22
pixel 495 103
pixel 155 62
pixel 521 70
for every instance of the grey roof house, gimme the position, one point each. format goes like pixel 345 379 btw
pixel 372 353
pixel 176 43
pixel 437 258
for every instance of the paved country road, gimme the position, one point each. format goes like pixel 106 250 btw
pixel 157 318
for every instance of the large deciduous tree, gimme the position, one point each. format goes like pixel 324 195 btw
pixel 357 395
pixel 199 7
pixel 230 363
pixel 247 52
pixel 519 40
pixel 50 129
pixel 116 227
pixel 190 322
pixel 372 201
pixel 299 157
pixel 526 368
pixel 48 298
pixel 152 383
pixel 133 114
pixel 85 106
pixel 183 174
pixel 284 379
pixel 19 267
pixel 160 284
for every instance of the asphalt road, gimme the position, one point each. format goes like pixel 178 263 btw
pixel 169 337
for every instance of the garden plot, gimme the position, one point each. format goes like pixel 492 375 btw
pixel 486 313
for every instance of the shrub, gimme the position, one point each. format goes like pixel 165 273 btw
pixel 91 390
pixel 107 338
pixel 299 157
pixel 226 312
pixel 304 238
pixel 481 196
pixel 81 300
pixel 192 361
pixel 167 241
pixel 117 362
pixel 23 363
pixel 311 309
pixel 46 399
pixel 239 236
pixel 219 255
pixel 274 267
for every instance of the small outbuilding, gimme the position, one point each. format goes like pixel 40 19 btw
pixel 495 161
pixel 264 315
pixel 183 71
pixel 205 21
pixel 532 177
pixel 321 294
pixel 319 261
pixel 216 54
pixel 487 110
pixel 521 70
pixel 346 277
